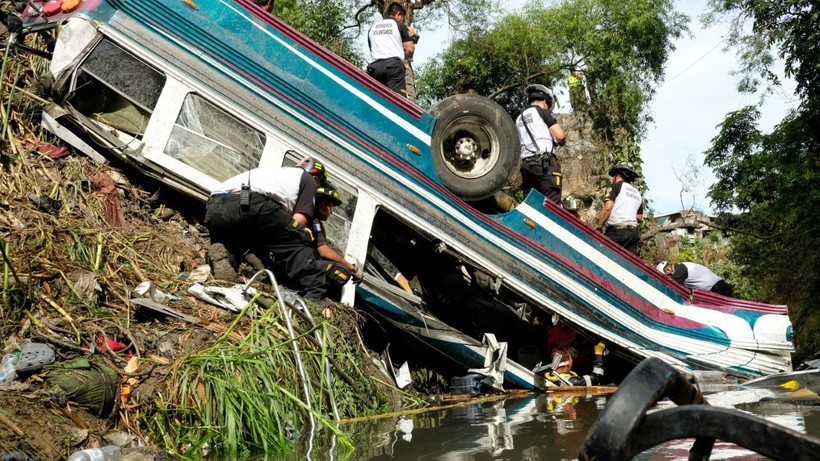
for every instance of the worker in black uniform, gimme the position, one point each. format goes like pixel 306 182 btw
pixel 337 269
pixel 269 209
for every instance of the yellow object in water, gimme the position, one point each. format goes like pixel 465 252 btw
pixel 791 385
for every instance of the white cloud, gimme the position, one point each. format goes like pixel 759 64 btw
pixel 698 93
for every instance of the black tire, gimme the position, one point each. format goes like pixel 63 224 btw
pixel 474 146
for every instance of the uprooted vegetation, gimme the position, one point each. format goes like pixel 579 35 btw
pixel 77 238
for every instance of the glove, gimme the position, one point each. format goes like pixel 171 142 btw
pixel 600 348
pixel 358 275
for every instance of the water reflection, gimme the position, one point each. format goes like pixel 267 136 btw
pixel 538 427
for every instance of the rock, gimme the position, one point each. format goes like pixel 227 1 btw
pixel 143 454
pixel 119 438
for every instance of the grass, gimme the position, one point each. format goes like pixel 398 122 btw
pixel 244 396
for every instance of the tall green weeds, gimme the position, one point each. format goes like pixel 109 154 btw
pixel 243 396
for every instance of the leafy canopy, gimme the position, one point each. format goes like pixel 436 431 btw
pixel 324 22
pixel 621 45
pixel 767 182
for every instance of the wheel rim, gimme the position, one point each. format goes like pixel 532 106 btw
pixel 469 147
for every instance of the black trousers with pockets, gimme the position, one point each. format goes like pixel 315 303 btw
pixel 627 237
pixel 265 226
pixel 544 174
pixel 390 72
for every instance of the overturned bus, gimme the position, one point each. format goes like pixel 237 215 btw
pixel 195 92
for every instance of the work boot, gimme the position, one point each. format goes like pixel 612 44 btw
pixel 254 261
pixel 220 260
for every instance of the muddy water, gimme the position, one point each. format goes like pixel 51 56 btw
pixel 533 428
pixel 538 427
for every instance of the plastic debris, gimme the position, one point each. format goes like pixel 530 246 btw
pixel 147 290
pixel 234 298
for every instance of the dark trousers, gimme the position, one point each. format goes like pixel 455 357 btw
pixel 265 226
pixel 544 174
pixel 390 72
pixel 723 288
pixel 627 237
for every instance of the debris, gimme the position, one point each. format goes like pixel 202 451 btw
pixel 200 274
pixel 113 213
pixel 148 290
pixel 163 309
pixel 34 356
pixel 495 362
pixel 51 150
pixel 91 384
pixel 85 284
pixel 46 204
pixel 110 345
pixel 234 298
pixel 469 384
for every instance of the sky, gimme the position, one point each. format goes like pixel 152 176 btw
pixel 698 92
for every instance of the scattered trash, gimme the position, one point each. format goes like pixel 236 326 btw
pixel 125 394
pixel 200 274
pixel 163 309
pixel 8 371
pixel 119 438
pixel 46 204
pixel 16 455
pixel 85 284
pixel 34 356
pixel 147 290
pixel 403 378
pixel 234 298
pixel 133 365
pixel 91 384
pixel 113 214
pixel 108 344
pixel 51 150
pixel 106 453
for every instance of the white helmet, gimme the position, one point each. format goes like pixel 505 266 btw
pixel 661 265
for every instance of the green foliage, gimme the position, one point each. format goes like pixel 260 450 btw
pixel 461 16
pixel 710 253
pixel 623 46
pixel 245 393
pixel 324 22
pixel 767 182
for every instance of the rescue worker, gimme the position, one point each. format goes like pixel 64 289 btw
pixel 694 275
pixel 390 44
pixel 560 370
pixel 337 269
pixel 538 134
pixel 623 209
pixel 268 209
pixel 572 204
